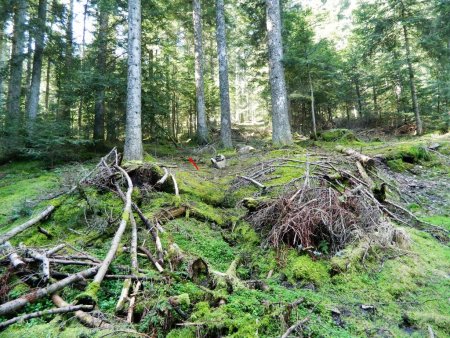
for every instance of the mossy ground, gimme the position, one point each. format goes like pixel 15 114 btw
pixel 407 289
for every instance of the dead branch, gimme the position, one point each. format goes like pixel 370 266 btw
pixel 45 232
pixel 151 258
pixel 13 257
pixel 133 297
pixel 65 309
pixel 364 175
pixel 82 316
pixel 56 249
pixel 295 326
pixel 40 257
pixel 16 304
pixel 365 160
pixel 92 288
pixel 123 295
pixel 175 185
pixel 18 229
pixel 164 178
pixel 255 182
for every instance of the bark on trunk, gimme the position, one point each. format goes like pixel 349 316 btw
pixel 412 82
pixel 133 133
pixel 313 112
pixel 281 133
pixel 16 69
pixel 66 94
pixel 99 119
pixel 33 100
pixel 202 129
pixel 225 117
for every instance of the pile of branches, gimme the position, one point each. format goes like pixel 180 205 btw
pixel 338 203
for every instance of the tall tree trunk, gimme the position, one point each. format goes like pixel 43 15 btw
pixel 280 118
pixel 313 112
pixel 2 60
pixel 202 129
pixel 33 100
pixel 411 80
pixel 225 117
pixel 133 131
pixel 15 77
pixel 99 119
pixel 26 85
pixel 83 46
pixel 65 88
pixel 47 84
pixel 359 98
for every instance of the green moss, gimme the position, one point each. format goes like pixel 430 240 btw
pixel 303 268
pixel 201 240
pixel 337 135
pixel 203 190
pixel 399 166
pixel 90 295
pixel 439 220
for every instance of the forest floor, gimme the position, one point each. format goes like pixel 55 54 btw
pixel 361 290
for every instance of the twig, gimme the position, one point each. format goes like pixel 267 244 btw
pixel 293 327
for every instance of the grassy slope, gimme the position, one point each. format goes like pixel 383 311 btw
pixel 408 290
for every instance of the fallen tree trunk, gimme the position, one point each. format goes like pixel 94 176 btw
pixel 18 229
pixel 65 309
pixel 16 304
pixel 82 316
pixel 90 294
pixel 365 160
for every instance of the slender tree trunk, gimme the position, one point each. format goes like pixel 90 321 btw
pixel 133 133
pixel 225 117
pixel 313 112
pixel 99 119
pixel 83 46
pixel 35 88
pixel 26 85
pixel 202 129
pixel 16 69
pixel 280 118
pixel 2 62
pixel 47 84
pixel 375 99
pixel 412 82
pixel 65 95
pixel 359 98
